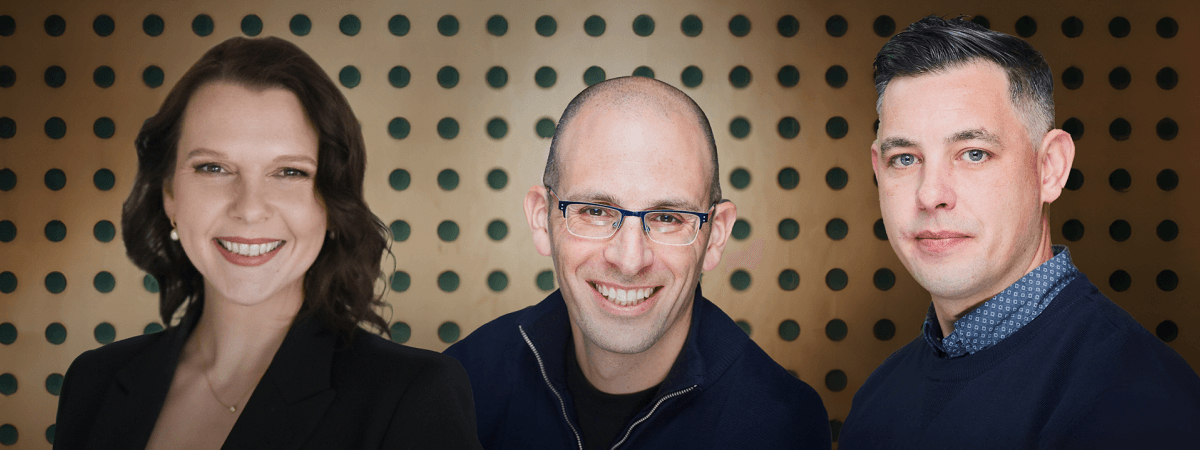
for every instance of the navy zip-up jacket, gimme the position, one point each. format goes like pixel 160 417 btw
pixel 722 392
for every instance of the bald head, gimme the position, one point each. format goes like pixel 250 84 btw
pixel 632 96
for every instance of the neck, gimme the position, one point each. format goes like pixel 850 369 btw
pixel 233 339
pixel 949 310
pixel 618 373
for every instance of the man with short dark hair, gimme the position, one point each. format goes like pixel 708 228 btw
pixel 628 353
pixel 1019 349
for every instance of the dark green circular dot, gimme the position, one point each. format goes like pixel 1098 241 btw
pixel 837 127
pixel 789 76
pixel 448 332
pixel 152 327
pixel 740 178
pixel 745 326
pixel 497 281
pixel 56 231
pixel 836 76
pixel 1167 129
pixel 884 279
pixel 398 128
pixel 739 127
pixel 447 128
pixel 836 330
pixel 55 128
pixel 1167 280
pixel 153 25
pixel 741 229
pixel 104 282
pixel 1074 180
pixel 447 231
pixel 497 25
pixel 8 77
pixel 497 230
pixel 692 76
pixel 739 25
pixel 8 25
pixel 447 179
pixel 448 281
pixel 545 26
pixel 740 77
pixel 104 128
pixel 691 25
pixel 545 280
pixel 1120 180
pixel 399 25
pixel 789 330
pixel 1119 78
pixel 55 25
pixel 593 75
pixel 836 26
pixel 150 283
pixel 1167 180
pixel 252 25
pixel 56 333
pixel 884 26
pixel 399 179
pixel 788 178
pixel 835 380
pixel 788 26
pixel 300 25
pixel 105 333
pixel 1167 230
pixel 837 178
pixel 1119 281
pixel 594 25
pixel 400 230
pixel 1072 27
pixel 740 280
pixel 497 128
pixel 55 179
pixel 8 231
pixel 400 281
pixel 1072 78
pixel 202 25
pixel 8 332
pixel 1072 230
pixel 497 77
pixel 497 179
pixel 1120 230
pixel 544 127
pixel 1166 78
pixel 1026 26
pixel 8 179
pixel 349 76
pixel 1118 27
pixel 350 25
pixel 104 231
pixel 884 330
pixel 1120 129
pixel 447 77
pixel 8 128
pixel 1075 127
pixel 643 25
pixel 836 279
pixel 8 433
pixel 50 433
pixel 545 76
pixel 153 76
pixel 400 332
pixel 836 229
pixel 1166 27
pixel 982 21
pixel 788 229
pixel 399 76
pixel 789 280
pixel 55 76
pixel 54 383
pixel 1167 331
pixel 8 384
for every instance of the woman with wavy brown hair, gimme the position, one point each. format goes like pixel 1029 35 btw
pixel 248 208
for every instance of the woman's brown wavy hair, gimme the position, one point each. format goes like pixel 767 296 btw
pixel 339 288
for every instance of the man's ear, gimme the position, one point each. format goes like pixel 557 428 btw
pixel 1056 156
pixel 536 210
pixel 721 220
pixel 875 158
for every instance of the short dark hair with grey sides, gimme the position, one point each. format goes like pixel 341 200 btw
pixel 934 44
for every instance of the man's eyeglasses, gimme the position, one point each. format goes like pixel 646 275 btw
pixel 596 221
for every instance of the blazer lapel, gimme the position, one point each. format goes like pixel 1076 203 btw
pixel 293 394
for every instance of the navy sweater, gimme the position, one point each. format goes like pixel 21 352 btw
pixel 723 391
pixel 1083 374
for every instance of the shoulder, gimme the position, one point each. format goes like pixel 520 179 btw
pixel 395 363
pixel 487 344
pixel 102 362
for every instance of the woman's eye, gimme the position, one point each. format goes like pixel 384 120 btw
pixel 290 172
pixel 975 155
pixel 208 168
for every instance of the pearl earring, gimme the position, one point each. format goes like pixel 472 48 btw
pixel 174 232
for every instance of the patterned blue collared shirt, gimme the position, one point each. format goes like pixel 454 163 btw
pixel 1005 313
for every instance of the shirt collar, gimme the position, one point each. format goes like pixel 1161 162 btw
pixel 1005 313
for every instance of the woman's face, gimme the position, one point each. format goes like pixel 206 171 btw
pixel 243 196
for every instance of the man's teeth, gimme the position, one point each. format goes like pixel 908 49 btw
pixel 623 297
pixel 250 249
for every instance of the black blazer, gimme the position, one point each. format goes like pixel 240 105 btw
pixel 317 393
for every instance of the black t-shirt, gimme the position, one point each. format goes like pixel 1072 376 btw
pixel 601 416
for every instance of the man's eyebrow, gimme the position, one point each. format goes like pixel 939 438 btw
pixel 977 134
pixel 895 142
pixel 669 203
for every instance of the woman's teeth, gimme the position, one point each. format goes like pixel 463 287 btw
pixel 623 297
pixel 250 249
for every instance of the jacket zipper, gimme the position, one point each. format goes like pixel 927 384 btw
pixel 652 410
pixel 561 404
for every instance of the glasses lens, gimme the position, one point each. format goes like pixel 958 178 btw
pixel 592 221
pixel 674 228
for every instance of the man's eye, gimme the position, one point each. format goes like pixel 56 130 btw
pixel 975 155
pixel 667 219
pixel 597 212
pixel 904 160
